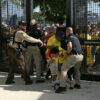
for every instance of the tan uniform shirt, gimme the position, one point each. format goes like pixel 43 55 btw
pixel 20 36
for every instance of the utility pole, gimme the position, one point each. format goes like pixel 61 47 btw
pixel 24 12
pixel 29 12
pixel 44 12
pixel 31 9
pixel 7 11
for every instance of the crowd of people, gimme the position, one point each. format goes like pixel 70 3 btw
pixel 93 50
pixel 53 49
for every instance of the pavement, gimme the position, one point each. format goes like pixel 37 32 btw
pixel 20 91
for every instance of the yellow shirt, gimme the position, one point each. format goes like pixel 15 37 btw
pixel 88 37
pixel 52 41
pixel 96 36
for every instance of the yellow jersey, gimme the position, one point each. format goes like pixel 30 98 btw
pixel 52 41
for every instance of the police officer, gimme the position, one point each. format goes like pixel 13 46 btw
pixel 33 52
pixel 75 59
pixel 16 54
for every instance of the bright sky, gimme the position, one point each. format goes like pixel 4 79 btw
pixel 94 7
pixel 37 9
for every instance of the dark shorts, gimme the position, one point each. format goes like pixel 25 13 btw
pixel 59 66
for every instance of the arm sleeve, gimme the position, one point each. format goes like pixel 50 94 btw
pixel 30 39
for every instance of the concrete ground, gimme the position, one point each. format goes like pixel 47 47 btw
pixel 19 91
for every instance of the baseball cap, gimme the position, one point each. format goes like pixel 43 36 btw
pixel 60 34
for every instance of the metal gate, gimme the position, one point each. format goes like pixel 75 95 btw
pixel 87 27
pixel 11 12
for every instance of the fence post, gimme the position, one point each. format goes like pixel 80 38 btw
pixel 0 16
pixel 29 10
pixel 69 13
pixel 0 31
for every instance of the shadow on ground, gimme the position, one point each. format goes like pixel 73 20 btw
pixel 20 84
pixel 89 90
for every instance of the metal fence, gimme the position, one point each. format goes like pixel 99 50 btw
pixel 10 14
pixel 80 16
pixel 87 28
pixel 11 10
pixel 86 22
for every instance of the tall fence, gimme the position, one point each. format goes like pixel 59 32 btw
pixel 10 9
pixel 86 21
pixel 87 27
pixel 10 13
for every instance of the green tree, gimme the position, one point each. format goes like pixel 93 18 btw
pixel 51 9
pixel 38 16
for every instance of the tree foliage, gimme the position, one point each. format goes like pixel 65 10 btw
pixel 51 9
pixel 17 2
pixel 38 16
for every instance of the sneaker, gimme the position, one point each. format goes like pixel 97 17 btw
pixel 22 76
pixel 55 86
pixel 29 82
pixel 40 81
pixel 60 90
pixel 9 82
pixel 42 74
pixel 77 86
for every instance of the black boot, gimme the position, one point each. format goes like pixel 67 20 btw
pixel 77 86
pixel 60 90
pixel 9 82
pixel 29 82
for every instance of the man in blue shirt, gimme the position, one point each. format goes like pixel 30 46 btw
pixel 75 59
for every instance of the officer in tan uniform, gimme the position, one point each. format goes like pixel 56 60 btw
pixel 16 54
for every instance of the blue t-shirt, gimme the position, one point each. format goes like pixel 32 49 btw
pixel 76 46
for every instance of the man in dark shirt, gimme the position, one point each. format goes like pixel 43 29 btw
pixel 33 52
pixel 75 59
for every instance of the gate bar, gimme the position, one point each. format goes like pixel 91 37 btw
pixel 0 16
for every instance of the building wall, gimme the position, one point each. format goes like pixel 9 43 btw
pixel 9 9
